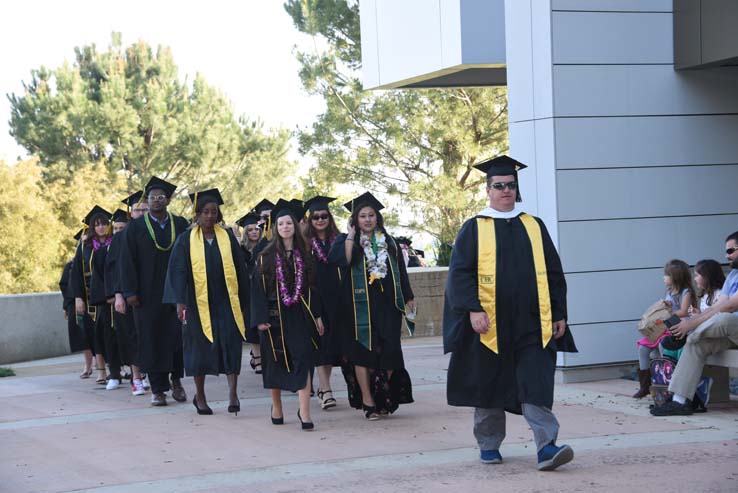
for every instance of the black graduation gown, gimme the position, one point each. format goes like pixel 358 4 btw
pixel 143 272
pixel 125 330
pixel 79 281
pixel 223 355
pixel 300 333
pixel 103 310
pixel 523 371
pixel 77 341
pixel 328 286
pixel 386 319
pixel 249 257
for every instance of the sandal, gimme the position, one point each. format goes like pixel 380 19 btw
pixel 256 365
pixel 253 361
pixel 370 412
pixel 326 403
pixel 86 373
pixel 102 380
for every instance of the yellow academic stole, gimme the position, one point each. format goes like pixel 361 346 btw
pixel 200 278
pixel 487 271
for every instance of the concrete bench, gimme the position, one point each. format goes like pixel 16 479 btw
pixel 718 367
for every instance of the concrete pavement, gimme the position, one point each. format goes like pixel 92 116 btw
pixel 60 433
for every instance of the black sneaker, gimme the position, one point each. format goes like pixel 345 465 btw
pixel 673 408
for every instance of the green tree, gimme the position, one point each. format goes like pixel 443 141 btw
pixel 30 234
pixel 128 108
pixel 416 144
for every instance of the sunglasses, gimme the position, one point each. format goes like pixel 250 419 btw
pixel 510 185
pixel 319 217
pixel 730 251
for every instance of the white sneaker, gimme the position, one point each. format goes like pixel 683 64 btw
pixel 113 384
pixel 146 383
pixel 138 387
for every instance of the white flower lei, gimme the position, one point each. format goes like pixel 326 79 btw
pixel 376 265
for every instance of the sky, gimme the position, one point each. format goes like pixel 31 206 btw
pixel 243 47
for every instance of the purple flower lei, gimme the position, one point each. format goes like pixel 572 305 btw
pixel 318 249
pixel 96 244
pixel 288 300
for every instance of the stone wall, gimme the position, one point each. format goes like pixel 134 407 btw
pixel 428 286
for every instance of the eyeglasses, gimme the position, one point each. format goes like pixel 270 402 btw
pixel 511 185
pixel 730 251
pixel 158 197
pixel 319 217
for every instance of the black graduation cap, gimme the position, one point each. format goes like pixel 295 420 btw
pixel 363 200
pixel 264 205
pixel 403 240
pixel 419 253
pixel 94 212
pixel 212 193
pixel 155 182
pixel 78 235
pixel 250 218
pixel 319 203
pixel 502 166
pixel 133 199
pixel 120 216
pixel 283 207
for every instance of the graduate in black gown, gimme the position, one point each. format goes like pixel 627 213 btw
pixel 88 285
pixel 208 283
pixel 286 309
pixel 505 319
pixel 377 295
pixel 264 210
pixel 144 259
pixel 320 232
pixel 250 238
pixel 77 338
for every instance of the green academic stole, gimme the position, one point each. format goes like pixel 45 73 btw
pixel 487 280
pixel 360 294
pixel 200 278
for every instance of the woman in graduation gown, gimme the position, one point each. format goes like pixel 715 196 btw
pixel 88 285
pixel 208 283
pixel 320 232
pixel 78 340
pixel 250 238
pixel 286 309
pixel 378 295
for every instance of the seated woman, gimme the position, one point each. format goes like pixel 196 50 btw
pixel 378 295
pixel 207 280
pixel 286 309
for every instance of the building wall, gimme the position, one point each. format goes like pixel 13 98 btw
pixel 32 327
pixel 633 163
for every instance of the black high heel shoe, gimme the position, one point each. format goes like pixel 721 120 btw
pixel 234 408
pixel 207 411
pixel 256 364
pixel 370 412
pixel 276 421
pixel 306 425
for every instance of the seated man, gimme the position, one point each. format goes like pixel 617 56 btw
pixel 710 332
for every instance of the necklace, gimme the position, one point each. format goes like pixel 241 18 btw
pixel 287 298
pixel 153 235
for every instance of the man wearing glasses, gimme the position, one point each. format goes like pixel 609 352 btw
pixel 504 319
pixel 710 332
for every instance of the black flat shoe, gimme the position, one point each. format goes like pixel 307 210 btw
pixel 207 411
pixel 370 412
pixel 234 408
pixel 276 421
pixel 306 425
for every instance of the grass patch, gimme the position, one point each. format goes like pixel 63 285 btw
pixel 6 372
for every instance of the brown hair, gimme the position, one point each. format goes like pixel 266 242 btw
pixel 678 270
pixel 98 218
pixel 712 272
pixel 276 246
pixel 310 230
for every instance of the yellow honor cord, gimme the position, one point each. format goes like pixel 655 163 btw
pixel 487 277
pixel 200 279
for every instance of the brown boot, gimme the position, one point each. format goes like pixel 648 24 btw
pixel 644 377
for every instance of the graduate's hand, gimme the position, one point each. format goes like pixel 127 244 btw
pixel 410 306
pixel 350 229
pixel 263 327
pixel 181 311
pixel 110 301
pixel 479 322
pixel 321 327
pixel 133 300
pixel 79 306
pixel 120 304
pixel 559 328
pixel 66 316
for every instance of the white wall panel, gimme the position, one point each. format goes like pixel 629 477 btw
pixel 603 343
pixel 646 141
pixel 604 37
pixel 522 136
pixel 642 243
pixel 614 5
pixel 613 296
pixel 541 58
pixel 451 32
pixel 646 192
pixel 519 56
pixel 632 90
pixel 369 53
pixel 546 176
pixel 481 21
